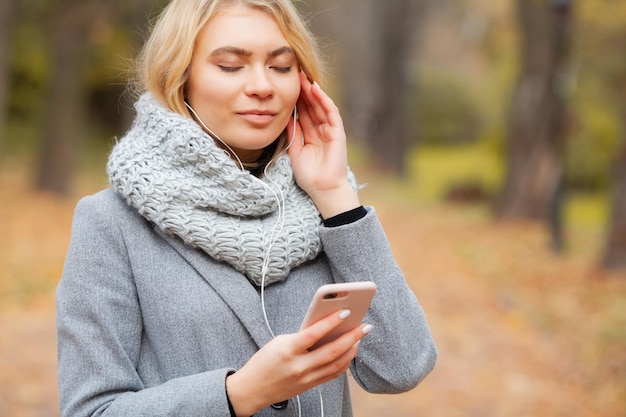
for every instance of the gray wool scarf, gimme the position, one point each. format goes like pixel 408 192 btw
pixel 176 176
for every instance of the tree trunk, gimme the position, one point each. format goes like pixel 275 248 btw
pixel 65 100
pixel 356 66
pixel 615 249
pixel 8 14
pixel 377 46
pixel 534 183
pixel 391 131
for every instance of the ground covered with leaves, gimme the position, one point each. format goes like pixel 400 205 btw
pixel 521 331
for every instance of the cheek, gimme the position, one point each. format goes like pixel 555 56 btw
pixel 296 89
pixel 205 89
pixel 211 100
pixel 204 85
pixel 292 95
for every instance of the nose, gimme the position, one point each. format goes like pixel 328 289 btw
pixel 259 83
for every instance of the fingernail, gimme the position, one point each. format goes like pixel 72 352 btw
pixel 316 84
pixel 367 328
pixel 344 314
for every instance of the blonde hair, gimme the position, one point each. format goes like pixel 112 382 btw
pixel 163 64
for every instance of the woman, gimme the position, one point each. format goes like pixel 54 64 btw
pixel 186 282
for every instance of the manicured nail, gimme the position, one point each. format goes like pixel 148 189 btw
pixel 367 328
pixel 344 314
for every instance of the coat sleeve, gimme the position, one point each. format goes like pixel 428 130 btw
pixel 399 352
pixel 99 331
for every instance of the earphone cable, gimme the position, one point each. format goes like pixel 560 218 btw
pixel 215 136
pixel 276 229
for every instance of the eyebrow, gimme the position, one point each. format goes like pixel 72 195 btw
pixel 225 50
pixel 280 51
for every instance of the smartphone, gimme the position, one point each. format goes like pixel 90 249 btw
pixel 331 298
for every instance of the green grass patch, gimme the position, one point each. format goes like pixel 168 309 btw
pixel 434 170
pixel 588 211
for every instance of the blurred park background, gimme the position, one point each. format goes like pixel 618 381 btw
pixel 491 135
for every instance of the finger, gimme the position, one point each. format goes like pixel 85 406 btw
pixel 332 351
pixel 321 103
pixel 304 114
pixel 331 370
pixel 307 125
pixel 319 329
pixel 327 106
pixel 316 110
pixel 342 353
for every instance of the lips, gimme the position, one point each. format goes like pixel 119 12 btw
pixel 258 117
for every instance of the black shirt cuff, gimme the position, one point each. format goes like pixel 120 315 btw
pixel 346 217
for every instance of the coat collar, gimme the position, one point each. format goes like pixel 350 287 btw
pixel 234 288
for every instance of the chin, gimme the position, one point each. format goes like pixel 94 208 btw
pixel 262 142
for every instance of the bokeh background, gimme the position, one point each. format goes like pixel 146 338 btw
pixel 489 134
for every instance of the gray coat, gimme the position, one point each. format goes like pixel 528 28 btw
pixel 150 327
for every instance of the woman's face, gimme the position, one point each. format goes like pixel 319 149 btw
pixel 243 80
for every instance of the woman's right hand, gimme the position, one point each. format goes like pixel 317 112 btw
pixel 285 367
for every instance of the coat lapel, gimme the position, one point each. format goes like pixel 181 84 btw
pixel 234 288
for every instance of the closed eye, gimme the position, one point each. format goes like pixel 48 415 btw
pixel 282 69
pixel 227 68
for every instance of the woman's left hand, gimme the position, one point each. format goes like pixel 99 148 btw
pixel 318 152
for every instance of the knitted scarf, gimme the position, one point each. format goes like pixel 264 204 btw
pixel 176 176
